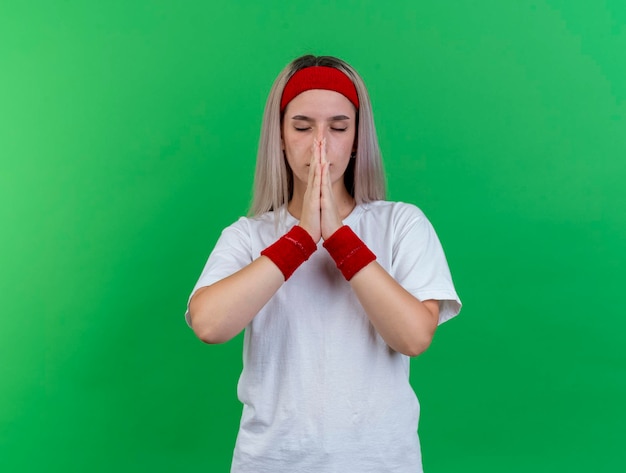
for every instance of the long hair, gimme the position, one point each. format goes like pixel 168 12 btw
pixel 273 180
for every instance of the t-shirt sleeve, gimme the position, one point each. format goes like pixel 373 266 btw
pixel 419 263
pixel 232 252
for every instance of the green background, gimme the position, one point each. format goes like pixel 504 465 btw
pixel 128 133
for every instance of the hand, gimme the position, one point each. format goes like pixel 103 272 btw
pixel 310 218
pixel 330 219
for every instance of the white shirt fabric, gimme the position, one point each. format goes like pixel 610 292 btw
pixel 321 390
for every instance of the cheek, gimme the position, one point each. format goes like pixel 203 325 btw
pixel 295 143
pixel 296 154
pixel 341 147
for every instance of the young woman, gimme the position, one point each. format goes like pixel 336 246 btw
pixel 335 287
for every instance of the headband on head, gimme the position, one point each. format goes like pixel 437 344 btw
pixel 319 77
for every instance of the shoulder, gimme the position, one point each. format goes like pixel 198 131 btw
pixel 261 227
pixel 397 222
pixel 393 212
pixel 246 223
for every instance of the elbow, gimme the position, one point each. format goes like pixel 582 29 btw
pixel 417 346
pixel 207 332
pixel 210 338
pixel 422 337
pixel 414 350
pixel 204 323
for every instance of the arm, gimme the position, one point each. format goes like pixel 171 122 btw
pixel 406 324
pixel 220 311
pixel 223 309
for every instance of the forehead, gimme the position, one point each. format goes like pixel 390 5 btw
pixel 320 103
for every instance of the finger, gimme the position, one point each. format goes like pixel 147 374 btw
pixel 312 165
pixel 311 175
pixel 318 177
pixel 326 193
pixel 317 150
pixel 311 216
pixel 326 181
pixel 330 220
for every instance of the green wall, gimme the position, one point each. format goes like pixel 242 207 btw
pixel 128 133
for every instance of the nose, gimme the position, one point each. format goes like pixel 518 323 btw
pixel 322 132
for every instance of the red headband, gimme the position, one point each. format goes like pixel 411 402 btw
pixel 319 77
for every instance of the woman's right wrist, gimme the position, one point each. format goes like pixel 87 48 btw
pixel 291 250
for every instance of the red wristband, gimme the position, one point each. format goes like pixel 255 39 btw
pixel 291 250
pixel 349 252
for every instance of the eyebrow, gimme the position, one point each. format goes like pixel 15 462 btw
pixel 332 119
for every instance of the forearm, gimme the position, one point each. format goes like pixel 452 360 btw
pixel 405 323
pixel 220 311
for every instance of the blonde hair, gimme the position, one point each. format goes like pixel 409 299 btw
pixel 273 179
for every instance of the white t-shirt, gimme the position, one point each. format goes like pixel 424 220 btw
pixel 321 390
